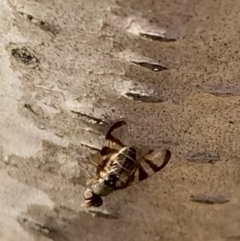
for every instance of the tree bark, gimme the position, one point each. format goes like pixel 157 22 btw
pixel 70 68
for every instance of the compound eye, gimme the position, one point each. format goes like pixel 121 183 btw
pixel 88 195
pixel 92 200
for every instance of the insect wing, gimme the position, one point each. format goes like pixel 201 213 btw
pixel 149 164
pixel 153 163
pixel 116 139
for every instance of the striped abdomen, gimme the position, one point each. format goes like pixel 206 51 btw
pixel 123 163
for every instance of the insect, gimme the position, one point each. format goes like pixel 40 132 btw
pixel 119 167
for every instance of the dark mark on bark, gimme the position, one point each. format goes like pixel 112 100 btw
pixel 43 25
pixel 90 118
pixel 143 98
pixel 29 107
pixel 99 214
pixel 90 147
pixel 51 233
pixel 154 66
pixel 47 27
pixel 234 237
pixel 157 36
pixel 221 91
pixel 35 226
pixel 204 158
pixel 226 94
pixel 24 56
pixel 209 199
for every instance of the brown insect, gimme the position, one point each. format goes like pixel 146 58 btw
pixel 119 166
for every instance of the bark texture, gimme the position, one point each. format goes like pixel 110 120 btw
pixel 70 68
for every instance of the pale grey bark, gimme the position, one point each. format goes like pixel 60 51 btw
pixel 70 68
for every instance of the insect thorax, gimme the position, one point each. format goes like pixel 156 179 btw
pixel 118 168
pixel 123 162
pixel 104 186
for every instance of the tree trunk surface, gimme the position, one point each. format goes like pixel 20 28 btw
pixel 71 68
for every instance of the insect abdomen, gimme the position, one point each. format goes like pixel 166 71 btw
pixel 124 161
pixel 130 159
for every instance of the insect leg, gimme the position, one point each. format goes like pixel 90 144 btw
pixel 90 181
